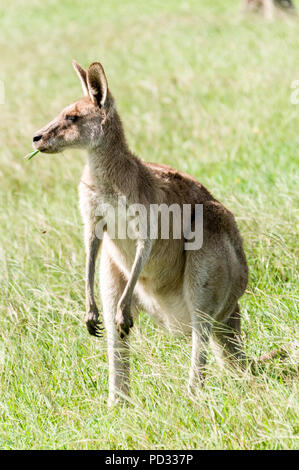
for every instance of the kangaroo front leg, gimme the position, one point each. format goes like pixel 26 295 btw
pixel 92 314
pixel 123 319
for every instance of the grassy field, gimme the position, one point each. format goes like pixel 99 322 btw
pixel 207 91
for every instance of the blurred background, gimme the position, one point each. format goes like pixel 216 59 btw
pixel 205 88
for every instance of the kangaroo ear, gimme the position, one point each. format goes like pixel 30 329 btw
pixel 82 75
pixel 97 84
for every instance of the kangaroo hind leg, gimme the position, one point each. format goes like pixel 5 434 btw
pixel 228 335
pixel 112 286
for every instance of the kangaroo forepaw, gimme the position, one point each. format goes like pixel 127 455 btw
pixel 123 320
pixel 93 323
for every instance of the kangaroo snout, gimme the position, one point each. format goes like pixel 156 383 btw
pixel 43 139
pixel 36 138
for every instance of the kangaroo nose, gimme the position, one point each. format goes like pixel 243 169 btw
pixel 36 138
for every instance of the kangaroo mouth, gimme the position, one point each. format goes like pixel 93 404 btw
pixel 47 150
pixel 45 146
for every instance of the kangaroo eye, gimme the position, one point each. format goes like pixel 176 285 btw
pixel 71 118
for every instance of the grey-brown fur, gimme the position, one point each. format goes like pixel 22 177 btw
pixel 268 6
pixel 186 291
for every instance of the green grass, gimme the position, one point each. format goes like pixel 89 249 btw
pixel 30 155
pixel 207 91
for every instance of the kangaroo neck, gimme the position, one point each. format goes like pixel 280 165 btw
pixel 111 163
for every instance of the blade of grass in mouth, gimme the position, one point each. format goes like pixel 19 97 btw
pixel 31 155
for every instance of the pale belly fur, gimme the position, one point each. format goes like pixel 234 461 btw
pixel 167 306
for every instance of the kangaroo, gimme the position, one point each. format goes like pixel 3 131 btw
pixel 187 291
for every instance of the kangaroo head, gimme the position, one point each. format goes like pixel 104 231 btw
pixel 82 123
